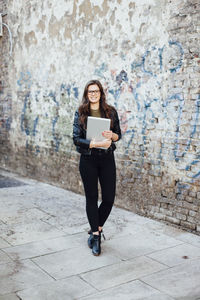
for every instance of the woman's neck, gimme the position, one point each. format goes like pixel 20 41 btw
pixel 94 106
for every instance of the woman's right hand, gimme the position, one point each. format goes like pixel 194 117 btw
pixel 106 143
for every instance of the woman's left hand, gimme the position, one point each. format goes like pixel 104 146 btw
pixel 107 134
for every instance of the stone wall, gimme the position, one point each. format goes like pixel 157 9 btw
pixel 146 54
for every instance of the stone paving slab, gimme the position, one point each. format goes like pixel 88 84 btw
pixel 180 282
pixel 72 226
pixel 134 290
pixel 73 261
pixel 176 255
pixel 31 250
pixel 65 289
pixel 18 234
pixel 122 272
pixel 19 275
pixel 189 238
pixel 22 216
pixel 130 246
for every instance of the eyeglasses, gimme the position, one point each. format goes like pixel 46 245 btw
pixel 94 92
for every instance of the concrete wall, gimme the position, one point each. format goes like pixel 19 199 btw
pixel 146 54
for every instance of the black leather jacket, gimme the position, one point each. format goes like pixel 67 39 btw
pixel 79 134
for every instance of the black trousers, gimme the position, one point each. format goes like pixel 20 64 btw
pixel 93 168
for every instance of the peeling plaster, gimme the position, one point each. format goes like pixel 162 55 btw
pixel 30 39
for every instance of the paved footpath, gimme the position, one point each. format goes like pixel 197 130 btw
pixel 44 253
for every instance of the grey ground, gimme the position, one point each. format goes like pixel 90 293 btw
pixel 44 253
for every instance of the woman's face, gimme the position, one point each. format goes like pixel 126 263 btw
pixel 94 93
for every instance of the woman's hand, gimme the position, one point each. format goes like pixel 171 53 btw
pixel 105 144
pixel 108 134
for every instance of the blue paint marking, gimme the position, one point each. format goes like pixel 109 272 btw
pixel 160 53
pixel 23 114
pixel 122 77
pixel 136 65
pixel 36 96
pixel 196 175
pixel 25 78
pixel 181 187
pixel 197 160
pixel 100 71
pixel 55 137
pixel 192 133
pixel 165 104
pixel 37 150
pixel 177 44
pixel 194 162
pixel 132 132
pixel 116 94
pixel 76 92
pixel 35 125
pixel 67 88
pixel 53 96
pixel 143 63
pixel 23 128
pixel 136 95
pixel 8 123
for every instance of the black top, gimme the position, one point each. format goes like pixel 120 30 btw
pixel 79 133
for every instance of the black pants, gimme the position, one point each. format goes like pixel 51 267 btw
pixel 102 167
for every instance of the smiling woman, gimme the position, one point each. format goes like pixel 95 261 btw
pixel 95 163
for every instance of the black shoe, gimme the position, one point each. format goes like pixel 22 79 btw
pixel 96 248
pixel 90 239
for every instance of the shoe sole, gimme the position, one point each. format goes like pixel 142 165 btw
pixel 96 254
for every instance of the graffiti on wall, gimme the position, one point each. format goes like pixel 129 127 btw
pixel 137 95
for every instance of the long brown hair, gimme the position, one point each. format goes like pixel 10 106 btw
pixel 84 109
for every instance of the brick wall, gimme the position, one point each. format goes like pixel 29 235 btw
pixel 146 54
pixel 5 94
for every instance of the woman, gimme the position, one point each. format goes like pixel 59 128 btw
pixel 95 163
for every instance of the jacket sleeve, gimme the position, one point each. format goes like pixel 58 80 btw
pixel 78 138
pixel 116 125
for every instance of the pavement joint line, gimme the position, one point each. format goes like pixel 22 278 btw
pixel 158 261
pixel 183 243
pixel 117 285
pixel 33 242
pixel 7 255
pixel 142 255
pixel 79 275
pixel 163 249
pixel 119 262
pixel 156 289
pixel 6 241
pixel 49 214
pixel 99 268
pixel 42 269
pixel 54 226
pixel 191 243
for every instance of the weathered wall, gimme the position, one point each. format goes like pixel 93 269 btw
pixel 5 91
pixel 146 54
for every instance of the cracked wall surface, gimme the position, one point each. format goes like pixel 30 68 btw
pixel 146 54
